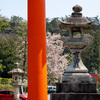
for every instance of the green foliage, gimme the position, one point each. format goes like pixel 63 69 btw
pixel 6 87
pixel 5 80
pixel 21 42
pixel 13 43
pixel 8 55
pixel 1 66
pixel 91 56
pixel 12 25
pixel 93 69
pixel 52 26
pixel 3 25
pixel 69 58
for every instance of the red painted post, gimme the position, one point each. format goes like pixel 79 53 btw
pixel 94 76
pixel 37 64
pixel 97 78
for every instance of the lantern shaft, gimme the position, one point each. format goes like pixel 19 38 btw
pixel 16 93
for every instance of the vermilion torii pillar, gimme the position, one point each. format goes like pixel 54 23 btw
pixel 37 64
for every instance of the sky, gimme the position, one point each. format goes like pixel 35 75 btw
pixel 13 7
pixel 54 8
pixel 60 8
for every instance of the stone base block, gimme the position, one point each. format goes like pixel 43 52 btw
pixel 76 77
pixel 75 96
pixel 76 88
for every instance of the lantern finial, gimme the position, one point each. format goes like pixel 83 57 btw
pixel 77 8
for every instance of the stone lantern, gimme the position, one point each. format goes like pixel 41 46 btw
pixel 76 71
pixel 76 82
pixel 17 81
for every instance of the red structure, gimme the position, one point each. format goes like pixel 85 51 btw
pixel 37 63
pixel 94 76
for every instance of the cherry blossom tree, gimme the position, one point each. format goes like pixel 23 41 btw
pixel 56 61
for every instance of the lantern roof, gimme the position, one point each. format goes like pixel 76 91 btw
pixel 76 20
pixel 17 70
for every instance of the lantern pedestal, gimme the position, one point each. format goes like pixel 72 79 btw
pixel 76 77
pixel 76 72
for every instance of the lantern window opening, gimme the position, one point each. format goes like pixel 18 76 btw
pixel 76 34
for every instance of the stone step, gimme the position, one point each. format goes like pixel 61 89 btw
pixel 76 88
pixel 75 96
